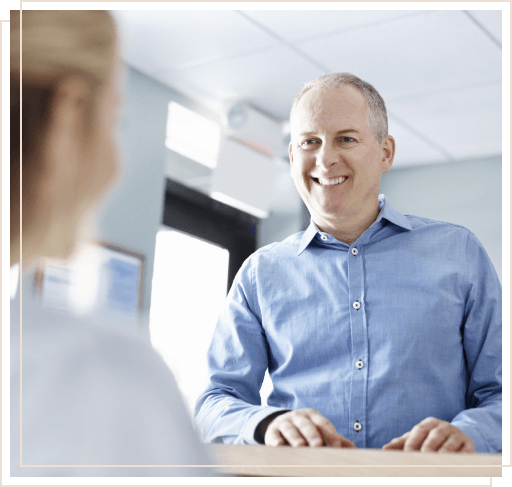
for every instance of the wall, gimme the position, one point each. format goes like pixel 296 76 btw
pixel 285 217
pixel 277 227
pixel 132 212
pixel 467 193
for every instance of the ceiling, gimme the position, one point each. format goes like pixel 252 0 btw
pixel 438 71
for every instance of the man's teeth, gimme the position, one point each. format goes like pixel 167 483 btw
pixel 330 182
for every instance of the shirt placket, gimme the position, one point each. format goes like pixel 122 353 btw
pixel 359 363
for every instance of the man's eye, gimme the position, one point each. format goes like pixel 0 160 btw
pixel 347 139
pixel 309 142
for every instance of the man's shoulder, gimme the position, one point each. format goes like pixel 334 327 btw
pixel 288 246
pixel 421 222
pixel 271 255
pixel 453 236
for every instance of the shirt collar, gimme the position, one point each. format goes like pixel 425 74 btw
pixel 392 215
pixel 386 211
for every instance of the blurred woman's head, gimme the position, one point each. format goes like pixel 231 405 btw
pixel 69 103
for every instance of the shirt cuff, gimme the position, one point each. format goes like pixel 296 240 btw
pixel 481 445
pixel 250 426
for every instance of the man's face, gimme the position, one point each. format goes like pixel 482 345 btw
pixel 336 162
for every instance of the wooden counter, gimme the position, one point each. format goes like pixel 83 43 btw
pixel 336 462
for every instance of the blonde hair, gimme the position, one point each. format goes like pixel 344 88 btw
pixel 376 115
pixel 56 44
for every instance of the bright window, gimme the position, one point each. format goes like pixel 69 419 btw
pixel 192 135
pixel 188 292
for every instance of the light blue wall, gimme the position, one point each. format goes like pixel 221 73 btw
pixel 132 212
pixel 467 192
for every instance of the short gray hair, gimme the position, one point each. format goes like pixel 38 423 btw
pixel 376 115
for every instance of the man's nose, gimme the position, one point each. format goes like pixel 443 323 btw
pixel 327 156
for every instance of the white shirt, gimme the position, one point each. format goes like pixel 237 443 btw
pixel 94 394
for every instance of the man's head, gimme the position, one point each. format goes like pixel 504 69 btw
pixel 339 149
pixel 376 115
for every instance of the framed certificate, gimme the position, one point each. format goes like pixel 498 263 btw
pixel 103 279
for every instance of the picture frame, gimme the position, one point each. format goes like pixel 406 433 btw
pixel 103 280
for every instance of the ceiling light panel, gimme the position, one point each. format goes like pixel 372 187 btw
pixel 185 128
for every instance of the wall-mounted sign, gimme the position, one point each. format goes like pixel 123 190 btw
pixel 102 280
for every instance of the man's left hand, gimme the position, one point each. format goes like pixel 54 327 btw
pixel 433 435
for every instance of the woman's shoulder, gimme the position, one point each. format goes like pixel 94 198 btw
pixel 97 382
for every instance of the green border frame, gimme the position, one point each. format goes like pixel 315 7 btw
pixel 4 14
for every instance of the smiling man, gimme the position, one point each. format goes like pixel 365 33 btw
pixel 379 330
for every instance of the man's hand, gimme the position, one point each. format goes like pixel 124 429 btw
pixel 433 435
pixel 304 427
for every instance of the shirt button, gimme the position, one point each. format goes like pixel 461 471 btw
pixel 357 426
pixel 324 237
pixel 359 364
pixel 354 251
pixel 356 305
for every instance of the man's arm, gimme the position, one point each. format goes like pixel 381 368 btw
pixel 230 408
pixel 478 427
pixel 230 411
pixel 481 420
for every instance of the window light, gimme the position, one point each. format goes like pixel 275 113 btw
pixel 236 203
pixel 192 135
pixel 180 330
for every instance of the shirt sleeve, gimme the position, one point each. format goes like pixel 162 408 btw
pixel 482 341
pixel 230 408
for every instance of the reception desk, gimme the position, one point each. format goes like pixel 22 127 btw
pixel 336 462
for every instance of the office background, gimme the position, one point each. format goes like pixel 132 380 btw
pixel 439 73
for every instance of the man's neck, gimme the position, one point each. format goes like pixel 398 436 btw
pixel 346 229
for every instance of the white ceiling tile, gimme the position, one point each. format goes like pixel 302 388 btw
pixel 295 25
pixel 490 19
pixel 174 39
pixel 413 55
pixel 437 71
pixel 270 80
pixel 466 122
pixel 412 150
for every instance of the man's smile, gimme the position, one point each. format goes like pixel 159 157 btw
pixel 331 181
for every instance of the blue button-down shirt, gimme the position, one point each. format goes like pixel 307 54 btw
pixel 402 325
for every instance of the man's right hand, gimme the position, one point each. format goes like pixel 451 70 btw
pixel 304 427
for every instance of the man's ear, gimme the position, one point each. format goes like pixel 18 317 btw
pixel 387 146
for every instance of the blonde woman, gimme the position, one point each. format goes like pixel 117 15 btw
pixel 94 400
